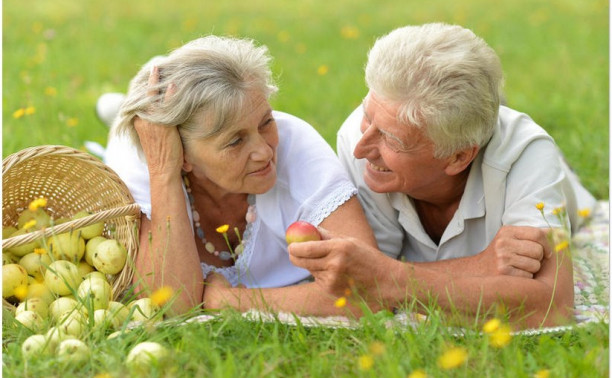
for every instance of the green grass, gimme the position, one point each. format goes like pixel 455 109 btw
pixel 229 346
pixel 59 56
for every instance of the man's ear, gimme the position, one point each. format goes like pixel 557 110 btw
pixel 460 160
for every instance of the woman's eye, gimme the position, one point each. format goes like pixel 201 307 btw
pixel 267 123
pixel 234 142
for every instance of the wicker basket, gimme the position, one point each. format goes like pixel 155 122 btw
pixel 71 181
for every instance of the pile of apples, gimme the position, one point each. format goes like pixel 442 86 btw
pixel 60 285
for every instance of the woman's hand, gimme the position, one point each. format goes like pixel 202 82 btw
pixel 161 144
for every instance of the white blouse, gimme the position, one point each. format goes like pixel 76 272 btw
pixel 311 184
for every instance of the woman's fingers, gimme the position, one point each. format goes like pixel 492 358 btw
pixel 153 81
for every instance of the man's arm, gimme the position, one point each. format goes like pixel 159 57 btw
pixel 506 255
pixel 337 262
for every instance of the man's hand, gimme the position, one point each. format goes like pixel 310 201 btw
pixel 516 251
pixel 341 263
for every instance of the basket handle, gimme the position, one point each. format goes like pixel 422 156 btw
pixel 131 209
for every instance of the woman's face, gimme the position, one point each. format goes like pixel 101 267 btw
pixel 242 157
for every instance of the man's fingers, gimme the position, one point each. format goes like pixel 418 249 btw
pixel 536 235
pixel 531 250
pixel 526 264
pixel 519 273
pixel 308 249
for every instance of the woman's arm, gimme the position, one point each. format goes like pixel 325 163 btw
pixel 167 255
pixel 306 299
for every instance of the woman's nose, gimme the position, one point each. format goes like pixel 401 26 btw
pixel 262 151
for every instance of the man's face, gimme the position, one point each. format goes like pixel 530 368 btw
pixel 400 157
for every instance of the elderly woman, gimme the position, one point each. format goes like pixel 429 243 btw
pixel 219 177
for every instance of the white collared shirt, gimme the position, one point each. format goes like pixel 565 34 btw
pixel 520 167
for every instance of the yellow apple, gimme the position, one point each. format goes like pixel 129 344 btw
pixel 90 248
pixel 73 352
pixel 36 264
pixel 30 320
pixel 34 347
pixel 145 355
pixel 67 246
pixel 62 277
pixel 109 257
pixel 23 249
pixel 39 215
pixel 95 293
pixel 13 276
pixel 38 305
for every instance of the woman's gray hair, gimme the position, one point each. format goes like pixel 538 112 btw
pixel 444 78
pixel 212 77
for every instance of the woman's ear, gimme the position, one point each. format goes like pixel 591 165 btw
pixel 460 160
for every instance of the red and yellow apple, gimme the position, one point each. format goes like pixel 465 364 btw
pixel 301 231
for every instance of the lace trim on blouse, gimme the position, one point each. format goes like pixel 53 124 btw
pixel 340 195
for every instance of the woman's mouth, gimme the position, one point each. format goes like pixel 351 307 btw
pixel 263 170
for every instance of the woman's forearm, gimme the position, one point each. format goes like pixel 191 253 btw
pixel 168 254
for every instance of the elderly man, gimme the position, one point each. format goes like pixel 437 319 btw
pixel 452 184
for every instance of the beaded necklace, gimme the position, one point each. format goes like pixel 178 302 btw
pixel 251 215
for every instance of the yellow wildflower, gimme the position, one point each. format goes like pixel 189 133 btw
pixel 29 110
pixel 18 113
pixel 419 373
pixel 300 48
pixel 452 358
pixel 491 326
pixel 377 348
pixel 21 292
pixel 584 213
pixel 283 36
pixel 501 336
pixel 38 202
pixel 40 251
pixel 223 229
pixel 366 362
pixel 50 91
pixel 349 32
pixel 29 224
pixel 557 210
pixel 103 375
pixel 323 69
pixel 72 122
pixel 162 295
pixel 340 302
pixel 540 206
pixel 544 373
pixel 561 246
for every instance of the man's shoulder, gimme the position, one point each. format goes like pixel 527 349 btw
pixel 350 126
pixel 514 131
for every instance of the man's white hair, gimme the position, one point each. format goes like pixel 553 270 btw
pixel 444 78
